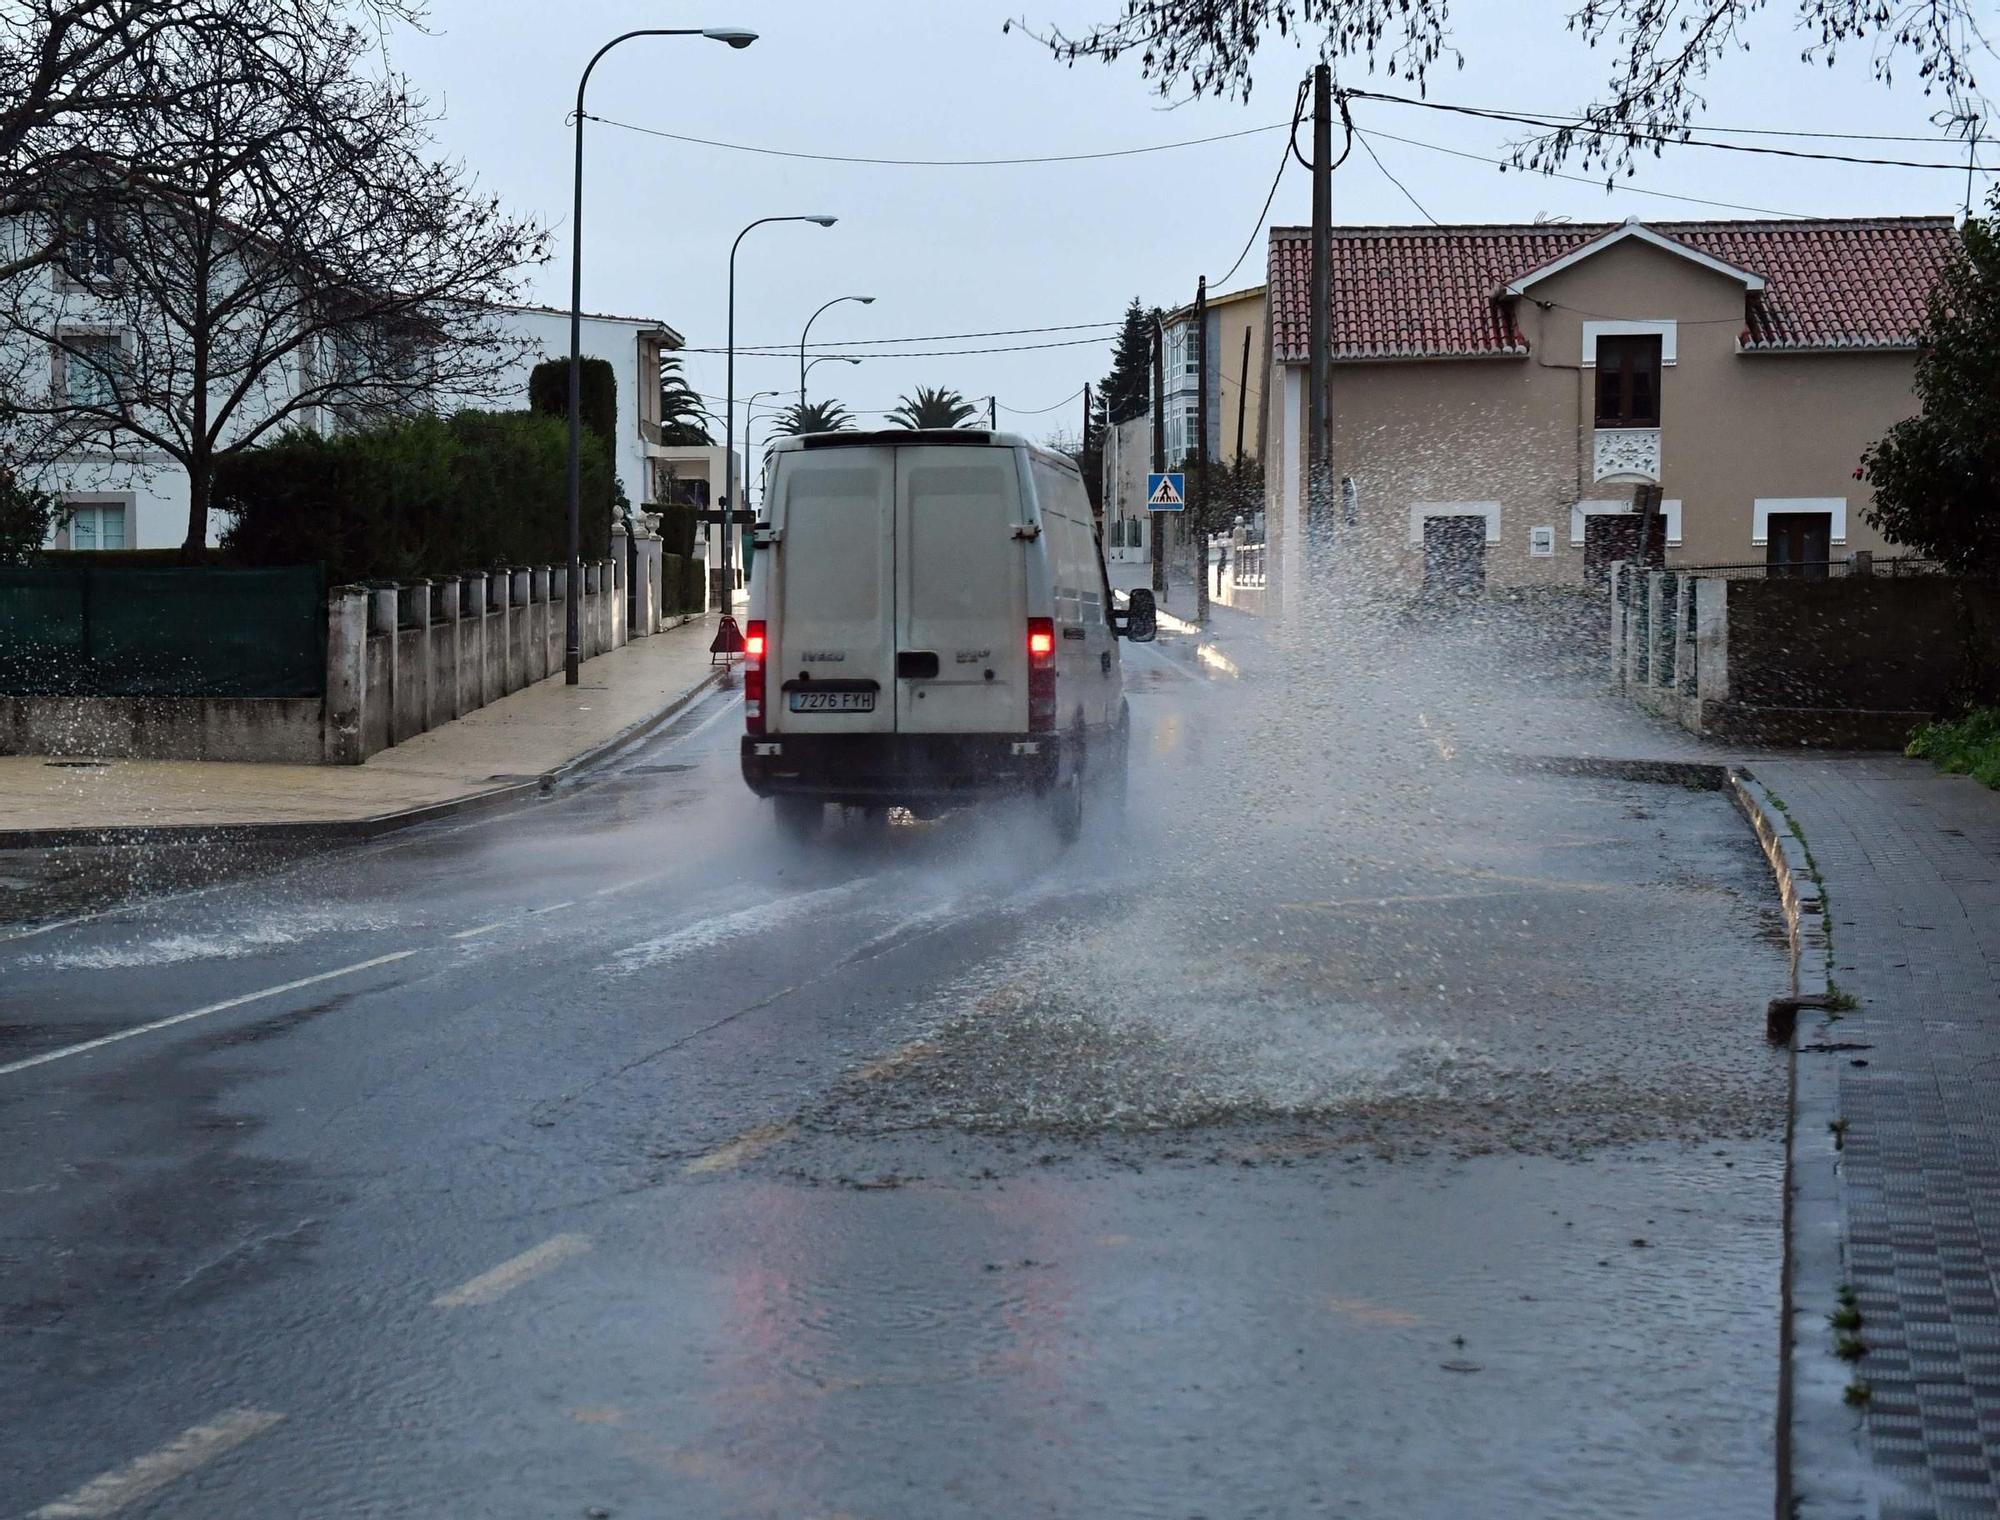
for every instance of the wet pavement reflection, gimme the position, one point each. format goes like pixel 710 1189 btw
pixel 1354 1127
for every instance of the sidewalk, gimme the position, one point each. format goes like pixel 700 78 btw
pixel 493 752
pixel 1910 863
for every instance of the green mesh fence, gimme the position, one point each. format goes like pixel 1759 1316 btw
pixel 185 631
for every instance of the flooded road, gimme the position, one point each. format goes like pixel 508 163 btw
pixel 1357 1127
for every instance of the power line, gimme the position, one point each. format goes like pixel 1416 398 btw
pixel 1583 179
pixel 936 353
pixel 1036 411
pixel 1641 134
pixel 937 163
pixel 1284 162
pixel 843 344
pixel 1753 131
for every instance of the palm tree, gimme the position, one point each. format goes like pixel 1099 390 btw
pixel 933 407
pixel 683 419
pixel 814 417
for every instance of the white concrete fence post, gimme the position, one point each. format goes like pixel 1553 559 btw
pixel 383 602
pixel 1656 601
pixel 1616 581
pixel 1711 645
pixel 1683 635
pixel 416 616
pixel 346 674
pixel 445 695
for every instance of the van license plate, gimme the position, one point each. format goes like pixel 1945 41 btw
pixel 833 701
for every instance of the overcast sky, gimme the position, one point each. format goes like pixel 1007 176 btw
pixel 956 250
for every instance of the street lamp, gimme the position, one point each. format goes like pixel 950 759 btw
pixel 749 415
pixel 822 359
pixel 737 37
pixel 729 405
pixel 803 366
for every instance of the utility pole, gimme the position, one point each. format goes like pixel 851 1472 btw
pixel 993 413
pixel 1242 394
pixel 1319 514
pixel 1097 509
pixel 1200 514
pixel 1155 521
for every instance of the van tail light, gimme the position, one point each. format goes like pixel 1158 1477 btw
pixel 753 676
pixel 1041 675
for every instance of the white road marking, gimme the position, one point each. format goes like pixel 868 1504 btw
pixel 203 1012
pixel 751 1143
pixel 501 923
pixel 626 886
pixel 509 1275
pixel 146 1475
pixel 706 724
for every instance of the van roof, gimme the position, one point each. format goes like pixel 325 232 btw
pixel 914 437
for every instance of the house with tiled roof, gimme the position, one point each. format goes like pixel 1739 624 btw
pixel 1499 393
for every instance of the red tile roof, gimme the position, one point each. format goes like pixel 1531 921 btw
pixel 1430 292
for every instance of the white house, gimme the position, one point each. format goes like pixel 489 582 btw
pixel 139 500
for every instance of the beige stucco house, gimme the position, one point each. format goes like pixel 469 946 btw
pixel 1499 392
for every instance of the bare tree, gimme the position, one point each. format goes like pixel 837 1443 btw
pixel 1661 51
pixel 296 256
pixel 73 73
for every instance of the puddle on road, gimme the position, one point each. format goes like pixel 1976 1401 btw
pixel 1606 988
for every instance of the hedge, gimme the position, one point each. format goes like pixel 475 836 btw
pixel 673 584
pixel 419 497
pixel 548 394
pixel 677 525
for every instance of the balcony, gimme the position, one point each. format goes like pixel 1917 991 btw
pixel 1627 454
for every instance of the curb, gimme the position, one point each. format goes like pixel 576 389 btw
pixel 339 830
pixel 1706 775
pixel 1823 1467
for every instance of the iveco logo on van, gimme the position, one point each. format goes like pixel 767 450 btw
pixel 824 656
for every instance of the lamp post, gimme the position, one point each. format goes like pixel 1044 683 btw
pixel 811 363
pixel 729 405
pixel 803 366
pixel 736 37
pixel 749 415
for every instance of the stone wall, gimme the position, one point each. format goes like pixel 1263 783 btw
pixel 1855 660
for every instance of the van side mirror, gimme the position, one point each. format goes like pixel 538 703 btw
pixel 1141 623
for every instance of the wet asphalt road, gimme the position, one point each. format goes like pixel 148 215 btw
pixel 1356 1129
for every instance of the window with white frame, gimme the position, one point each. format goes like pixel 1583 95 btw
pixel 89 365
pixel 89 249
pixel 97 525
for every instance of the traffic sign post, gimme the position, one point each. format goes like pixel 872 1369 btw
pixel 1166 492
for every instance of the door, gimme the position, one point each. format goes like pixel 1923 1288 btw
pixel 830 668
pixel 961 591
pixel 1455 554
pixel 1798 544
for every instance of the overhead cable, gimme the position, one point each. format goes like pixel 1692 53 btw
pixel 1581 179
pixel 1641 134
pixel 939 163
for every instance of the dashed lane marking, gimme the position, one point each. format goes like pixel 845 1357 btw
pixel 626 886
pixel 501 923
pixel 893 1062
pixel 191 1449
pixel 509 1275
pixel 1438 742
pixel 745 1147
pixel 197 1013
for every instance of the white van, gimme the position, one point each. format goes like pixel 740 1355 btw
pixel 929 621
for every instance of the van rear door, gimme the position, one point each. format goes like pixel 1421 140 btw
pixel 961 591
pixel 832 659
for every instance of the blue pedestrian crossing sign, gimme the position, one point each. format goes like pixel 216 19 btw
pixel 1166 493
